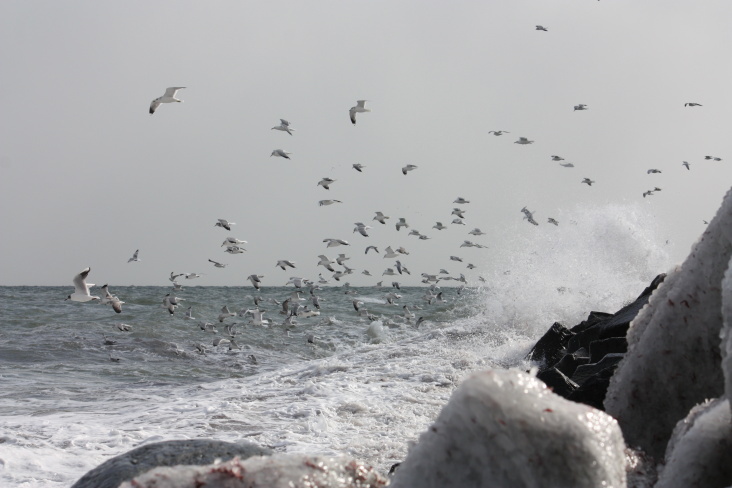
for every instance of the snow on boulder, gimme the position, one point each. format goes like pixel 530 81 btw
pixel 277 471
pixel 673 360
pixel 700 450
pixel 505 428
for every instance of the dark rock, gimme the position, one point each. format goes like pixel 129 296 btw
pixel 568 364
pixel 600 348
pixel 124 467
pixel 551 347
pixel 557 381
pixel 592 392
pixel 586 371
pixel 592 319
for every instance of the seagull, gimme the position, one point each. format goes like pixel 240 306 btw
pixel 458 212
pixel 234 250
pixel 81 288
pixel 581 106
pixel 654 171
pixel 366 272
pixel 189 314
pixel 685 164
pixel 134 257
pixel 325 182
pixel 692 104
pixel 225 313
pixel 476 232
pixel 557 158
pixel 358 167
pixel 341 258
pixel 389 253
pixel 713 158
pixel 388 272
pixel 552 221
pixel 588 181
pixel 567 165
pixel 110 299
pixel 402 223
pixel 361 228
pixel 455 258
pixel 357 109
pixel 458 221
pixel 190 276
pixel 170 302
pixel 328 202
pixel 410 167
pixel 326 262
pixel 439 226
pixel 284 126
pixel 335 242
pixel 217 264
pixel 296 281
pixel 168 97
pixel 123 327
pixel 523 140
pixel 381 217
pixel 224 223
pixel 372 247
pixel 647 193
pixel 498 132
pixel 284 263
pixel 280 153
pixel 460 201
pixel 414 232
pixel 542 28
pixel 232 241
pixel 529 215
pixel 256 280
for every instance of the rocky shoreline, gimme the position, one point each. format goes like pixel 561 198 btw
pixel 637 398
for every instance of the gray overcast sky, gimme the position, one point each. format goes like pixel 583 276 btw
pixel 87 175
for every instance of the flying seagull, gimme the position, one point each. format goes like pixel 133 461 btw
pixel 410 167
pixel 168 97
pixel 685 164
pixel 567 165
pixel 653 170
pixel 542 28
pixel 358 167
pixel 134 257
pixel 224 223
pixel 557 158
pixel 581 106
pixel 381 217
pixel 326 182
pixel 523 140
pixel 335 242
pixel 81 288
pixel 358 108
pixel 280 153
pixel 284 263
pixel 588 181
pixel 328 202
pixel 692 104
pixel 498 132
pixel 714 158
pixel 402 223
pixel 217 264
pixel 552 221
pixel 284 126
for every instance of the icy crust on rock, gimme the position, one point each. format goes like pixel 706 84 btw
pixel 700 451
pixel 673 359
pixel 505 428
pixel 726 335
pixel 276 471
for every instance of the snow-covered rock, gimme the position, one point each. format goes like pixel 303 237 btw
pixel 505 428
pixel 277 471
pixel 673 360
pixel 700 450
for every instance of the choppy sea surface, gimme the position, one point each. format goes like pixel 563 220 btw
pixel 77 390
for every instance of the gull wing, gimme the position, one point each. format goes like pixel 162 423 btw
pixel 80 284
pixel 171 91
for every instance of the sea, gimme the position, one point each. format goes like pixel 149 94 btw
pixel 76 389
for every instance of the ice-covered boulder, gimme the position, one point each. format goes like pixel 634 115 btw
pixel 673 360
pixel 700 450
pixel 285 470
pixel 505 428
pixel 167 453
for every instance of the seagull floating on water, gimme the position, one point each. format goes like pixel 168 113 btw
pixel 284 127
pixel 358 109
pixel 81 288
pixel 134 257
pixel 168 97
pixel 280 153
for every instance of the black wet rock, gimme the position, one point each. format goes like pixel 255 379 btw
pixel 197 452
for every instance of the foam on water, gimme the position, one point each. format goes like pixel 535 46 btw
pixel 348 393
